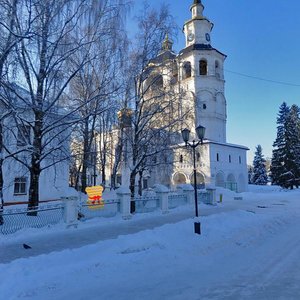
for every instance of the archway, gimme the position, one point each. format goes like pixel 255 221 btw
pixel 203 67
pixel 179 178
pixel 220 181
pixel 200 179
pixel 231 183
pixel 186 70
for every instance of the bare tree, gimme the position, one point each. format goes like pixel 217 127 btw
pixel 155 102
pixel 97 88
pixel 45 73
pixel 10 36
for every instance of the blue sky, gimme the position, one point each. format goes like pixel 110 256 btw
pixel 261 39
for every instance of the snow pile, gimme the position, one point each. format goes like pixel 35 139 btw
pixel 264 188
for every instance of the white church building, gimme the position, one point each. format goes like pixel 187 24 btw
pixel 196 74
pixel 201 75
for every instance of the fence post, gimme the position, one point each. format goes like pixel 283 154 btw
pixel 70 211
pixel 188 190
pixel 162 195
pixel 123 194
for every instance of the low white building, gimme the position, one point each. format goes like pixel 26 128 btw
pixel 17 131
pixel 217 164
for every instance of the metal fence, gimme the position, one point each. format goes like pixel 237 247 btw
pixel 18 218
pixel 146 204
pixel 88 211
pixel 175 200
pixel 231 186
pixel 203 197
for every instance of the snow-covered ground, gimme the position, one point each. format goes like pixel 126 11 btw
pixel 249 249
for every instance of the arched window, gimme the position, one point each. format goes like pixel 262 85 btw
pixel 204 106
pixel 217 69
pixel 187 70
pixel 174 77
pixel 158 81
pixel 200 180
pixel 203 67
pixel 179 178
pixel 181 158
pixel 198 156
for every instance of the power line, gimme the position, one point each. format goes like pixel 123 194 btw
pixel 263 79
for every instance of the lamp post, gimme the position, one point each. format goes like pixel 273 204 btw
pixel 200 130
pixel 94 168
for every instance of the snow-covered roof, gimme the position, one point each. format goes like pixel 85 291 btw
pixel 17 97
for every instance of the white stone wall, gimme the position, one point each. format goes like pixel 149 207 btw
pixel 214 162
pixel 230 162
pixel 53 180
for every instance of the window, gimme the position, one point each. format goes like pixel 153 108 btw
pixel 217 69
pixel 204 106
pixel 174 78
pixel 218 157
pixel 198 156
pixel 145 183
pixel 229 158
pixel 203 67
pixel 187 70
pixel 23 137
pixel 158 81
pixel 119 179
pixel 240 160
pixel 20 186
pixel 181 158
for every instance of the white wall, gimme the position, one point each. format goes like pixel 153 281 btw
pixel 53 180
pixel 236 169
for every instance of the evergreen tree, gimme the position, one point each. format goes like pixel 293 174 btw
pixel 286 153
pixel 292 155
pixel 259 176
pixel 250 174
pixel 277 164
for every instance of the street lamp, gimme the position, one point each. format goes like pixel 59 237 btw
pixel 200 130
pixel 94 161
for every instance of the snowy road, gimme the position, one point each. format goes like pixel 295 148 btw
pixel 250 250
pixel 269 268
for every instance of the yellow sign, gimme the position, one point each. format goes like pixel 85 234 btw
pixel 95 197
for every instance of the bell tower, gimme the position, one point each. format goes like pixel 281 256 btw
pixel 206 81
pixel 197 30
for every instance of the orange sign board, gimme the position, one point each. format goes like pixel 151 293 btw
pixel 95 197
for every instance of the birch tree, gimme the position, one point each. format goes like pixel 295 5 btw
pixel 45 73
pixel 98 86
pixel 155 97
pixel 10 36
